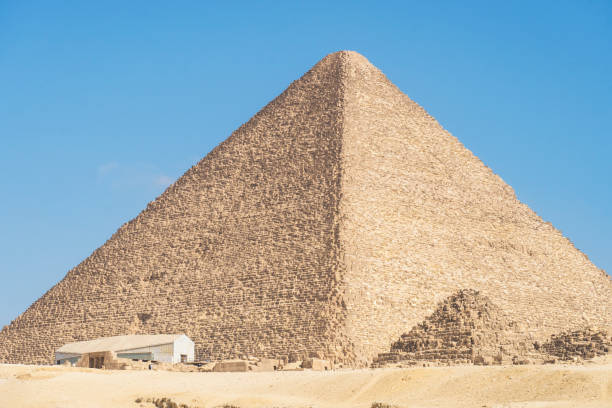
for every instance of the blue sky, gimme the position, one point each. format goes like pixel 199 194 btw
pixel 104 104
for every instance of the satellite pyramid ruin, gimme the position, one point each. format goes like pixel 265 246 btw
pixel 464 328
pixel 329 224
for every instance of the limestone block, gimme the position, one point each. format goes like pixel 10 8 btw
pixel 317 364
pixel 231 366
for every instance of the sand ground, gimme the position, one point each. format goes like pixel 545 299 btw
pixel 461 386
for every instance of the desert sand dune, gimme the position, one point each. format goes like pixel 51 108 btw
pixel 459 386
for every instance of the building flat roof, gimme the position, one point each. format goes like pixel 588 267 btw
pixel 118 343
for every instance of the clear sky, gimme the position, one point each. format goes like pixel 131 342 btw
pixel 103 104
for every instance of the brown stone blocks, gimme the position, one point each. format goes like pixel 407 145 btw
pixel 328 224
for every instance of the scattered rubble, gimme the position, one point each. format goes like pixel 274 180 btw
pixel 468 328
pixel 465 328
pixel 250 363
pixel 580 344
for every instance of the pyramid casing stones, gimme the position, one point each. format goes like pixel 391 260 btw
pixel 329 224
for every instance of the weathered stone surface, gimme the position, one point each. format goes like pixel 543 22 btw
pixel 334 219
pixel 466 327
pixel 317 364
pixel 579 344
pixel 232 366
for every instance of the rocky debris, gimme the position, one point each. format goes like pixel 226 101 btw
pixel 178 367
pixel 232 366
pixel 266 364
pixel 293 366
pixel 163 402
pixel 382 405
pixel 108 360
pixel 317 364
pixel 579 344
pixel 248 363
pixel 466 327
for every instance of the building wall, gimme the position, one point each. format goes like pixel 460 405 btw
pixel 136 356
pixel 183 345
pixel 62 357
pixel 100 359
pixel 167 353
pixel 161 352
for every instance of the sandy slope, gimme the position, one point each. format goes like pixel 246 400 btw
pixel 465 386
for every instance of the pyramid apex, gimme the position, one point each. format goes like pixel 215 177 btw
pixel 347 53
pixel 348 57
pixel 347 61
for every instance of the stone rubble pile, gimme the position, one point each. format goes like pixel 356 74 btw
pixel 247 363
pixel 467 328
pixel 579 344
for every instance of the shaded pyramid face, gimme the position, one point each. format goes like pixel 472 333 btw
pixel 329 224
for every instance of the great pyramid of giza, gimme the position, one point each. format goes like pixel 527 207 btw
pixel 330 223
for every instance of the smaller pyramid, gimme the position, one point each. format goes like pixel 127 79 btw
pixel 466 327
